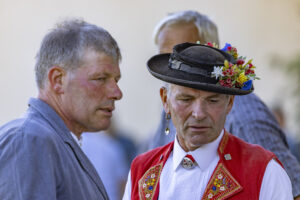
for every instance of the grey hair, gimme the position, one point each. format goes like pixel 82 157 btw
pixel 65 45
pixel 207 29
pixel 167 87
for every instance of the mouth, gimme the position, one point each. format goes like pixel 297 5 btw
pixel 197 128
pixel 107 111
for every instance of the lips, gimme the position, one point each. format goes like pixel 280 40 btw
pixel 198 128
pixel 107 111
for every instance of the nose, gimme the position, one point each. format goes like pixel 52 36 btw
pixel 199 110
pixel 115 92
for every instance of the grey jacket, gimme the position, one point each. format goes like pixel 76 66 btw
pixel 39 160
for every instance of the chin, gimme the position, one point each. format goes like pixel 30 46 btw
pixel 98 127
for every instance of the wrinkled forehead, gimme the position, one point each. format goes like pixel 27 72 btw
pixel 91 53
pixel 171 35
pixel 176 90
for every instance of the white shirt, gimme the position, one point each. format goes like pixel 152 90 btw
pixel 174 179
pixel 77 140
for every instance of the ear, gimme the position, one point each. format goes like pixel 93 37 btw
pixel 230 103
pixel 55 78
pixel 164 99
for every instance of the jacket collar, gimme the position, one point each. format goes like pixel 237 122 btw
pixel 49 114
pixel 222 183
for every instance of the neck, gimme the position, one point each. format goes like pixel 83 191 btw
pixel 54 102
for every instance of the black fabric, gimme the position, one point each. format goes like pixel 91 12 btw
pixel 196 56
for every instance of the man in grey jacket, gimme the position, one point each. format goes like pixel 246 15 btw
pixel 77 71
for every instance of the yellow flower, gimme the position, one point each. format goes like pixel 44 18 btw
pixel 226 64
pixel 242 78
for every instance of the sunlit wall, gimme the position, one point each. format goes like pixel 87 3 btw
pixel 260 29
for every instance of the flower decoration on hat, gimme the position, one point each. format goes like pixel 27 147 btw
pixel 239 75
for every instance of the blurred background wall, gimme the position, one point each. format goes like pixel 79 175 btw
pixel 259 29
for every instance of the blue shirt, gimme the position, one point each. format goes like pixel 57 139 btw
pixel 108 158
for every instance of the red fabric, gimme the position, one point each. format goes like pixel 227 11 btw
pixel 190 157
pixel 247 165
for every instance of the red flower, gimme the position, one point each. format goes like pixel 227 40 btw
pixel 229 48
pixel 247 72
pixel 210 44
pixel 222 82
pixel 240 62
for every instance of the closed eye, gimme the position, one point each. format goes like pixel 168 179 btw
pixel 184 99
pixel 214 100
pixel 101 78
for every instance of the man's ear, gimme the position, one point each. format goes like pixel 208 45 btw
pixel 164 98
pixel 230 104
pixel 55 78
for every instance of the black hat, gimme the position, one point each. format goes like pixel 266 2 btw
pixel 192 65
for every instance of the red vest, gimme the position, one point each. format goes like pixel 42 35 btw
pixel 237 176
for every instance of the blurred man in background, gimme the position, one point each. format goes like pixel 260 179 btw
pixel 111 153
pixel 293 142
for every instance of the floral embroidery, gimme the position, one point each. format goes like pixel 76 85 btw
pixel 148 182
pixel 221 184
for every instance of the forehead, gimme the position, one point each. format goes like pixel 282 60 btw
pixel 177 90
pixel 93 62
pixel 173 34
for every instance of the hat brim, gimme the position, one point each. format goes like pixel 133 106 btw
pixel 158 67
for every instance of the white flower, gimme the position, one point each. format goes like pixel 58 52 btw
pixel 222 188
pixel 152 175
pixel 144 185
pixel 218 71
pixel 210 196
pixel 147 195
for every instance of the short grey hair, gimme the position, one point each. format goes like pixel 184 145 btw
pixel 167 87
pixel 207 29
pixel 65 45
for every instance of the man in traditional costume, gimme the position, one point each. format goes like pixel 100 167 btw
pixel 205 161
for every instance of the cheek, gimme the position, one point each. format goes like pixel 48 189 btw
pixel 219 115
pixel 90 88
pixel 179 113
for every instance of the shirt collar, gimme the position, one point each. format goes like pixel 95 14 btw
pixel 78 140
pixel 204 155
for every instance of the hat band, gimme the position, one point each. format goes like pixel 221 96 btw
pixel 178 65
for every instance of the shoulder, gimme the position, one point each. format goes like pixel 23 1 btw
pixel 152 156
pixel 251 107
pixel 245 151
pixel 27 132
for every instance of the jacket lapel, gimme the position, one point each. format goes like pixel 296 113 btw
pixel 64 133
pixel 86 165
pixel 222 184
pixel 149 183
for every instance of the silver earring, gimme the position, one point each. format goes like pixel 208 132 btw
pixel 168 117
